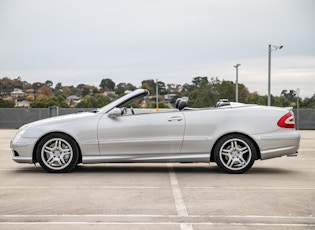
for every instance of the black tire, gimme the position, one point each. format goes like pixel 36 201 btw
pixel 57 153
pixel 235 153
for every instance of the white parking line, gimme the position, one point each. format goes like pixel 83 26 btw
pixel 82 187
pixel 157 187
pixel 178 197
pixel 183 226
pixel 155 216
pixel 249 188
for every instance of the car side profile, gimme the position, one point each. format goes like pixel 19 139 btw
pixel 233 135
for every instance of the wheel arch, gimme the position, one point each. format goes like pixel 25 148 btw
pixel 38 141
pixel 258 156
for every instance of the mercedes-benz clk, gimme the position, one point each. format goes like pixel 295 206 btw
pixel 233 135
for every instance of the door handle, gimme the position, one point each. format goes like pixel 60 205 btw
pixel 175 119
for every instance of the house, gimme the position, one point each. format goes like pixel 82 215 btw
pixel 17 93
pixel 169 97
pixel 25 104
pixel 72 100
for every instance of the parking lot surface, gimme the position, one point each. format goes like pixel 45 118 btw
pixel 274 194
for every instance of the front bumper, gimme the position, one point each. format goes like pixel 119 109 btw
pixel 22 150
pixel 19 159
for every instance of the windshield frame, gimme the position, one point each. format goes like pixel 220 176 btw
pixel 124 100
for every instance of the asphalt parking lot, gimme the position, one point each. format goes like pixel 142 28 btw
pixel 274 194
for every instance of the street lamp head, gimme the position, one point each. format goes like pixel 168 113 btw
pixel 277 46
pixel 237 65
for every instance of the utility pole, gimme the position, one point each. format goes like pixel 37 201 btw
pixel 236 82
pixel 157 95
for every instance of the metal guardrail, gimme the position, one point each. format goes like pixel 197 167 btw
pixel 13 118
pixel 305 119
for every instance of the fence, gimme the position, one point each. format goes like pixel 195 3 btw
pixel 12 118
pixel 305 118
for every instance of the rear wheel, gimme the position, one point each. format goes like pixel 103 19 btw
pixel 235 153
pixel 57 152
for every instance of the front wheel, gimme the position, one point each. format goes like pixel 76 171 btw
pixel 235 153
pixel 57 152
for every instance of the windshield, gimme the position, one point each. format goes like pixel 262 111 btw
pixel 124 100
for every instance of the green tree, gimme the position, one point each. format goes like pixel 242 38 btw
pixel 161 88
pixel 308 102
pixel 57 90
pixel 37 85
pixel 49 83
pixel 67 91
pixel 255 98
pixel 202 98
pixel 207 93
pixel 6 104
pixel 187 89
pixel 161 105
pixel 45 90
pixel 227 90
pixel 122 87
pixel 198 81
pixel 97 101
pixel 7 85
pixel 58 85
pixel 290 96
pixel 287 98
pixel 86 90
pixel 107 84
pixel 50 101
pixel 150 85
pixel 174 88
pixel 79 89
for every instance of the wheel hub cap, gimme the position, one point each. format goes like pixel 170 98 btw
pixel 57 153
pixel 235 154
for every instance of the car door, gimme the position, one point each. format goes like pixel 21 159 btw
pixel 200 130
pixel 153 134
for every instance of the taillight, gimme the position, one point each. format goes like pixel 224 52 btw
pixel 286 121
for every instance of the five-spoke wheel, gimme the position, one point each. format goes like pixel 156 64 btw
pixel 235 153
pixel 57 153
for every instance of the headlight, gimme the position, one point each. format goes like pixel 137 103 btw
pixel 21 131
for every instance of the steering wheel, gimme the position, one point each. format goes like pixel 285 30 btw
pixel 131 109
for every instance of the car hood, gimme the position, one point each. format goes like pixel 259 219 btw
pixel 61 119
pixel 64 123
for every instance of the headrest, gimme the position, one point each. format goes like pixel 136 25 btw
pixel 182 104
pixel 177 102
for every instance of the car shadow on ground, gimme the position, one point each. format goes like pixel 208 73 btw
pixel 178 168
pixel 154 168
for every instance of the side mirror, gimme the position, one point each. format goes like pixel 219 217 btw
pixel 116 112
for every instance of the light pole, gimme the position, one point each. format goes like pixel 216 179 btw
pixel 297 108
pixel 236 87
pixel 157 95
pixel 270 49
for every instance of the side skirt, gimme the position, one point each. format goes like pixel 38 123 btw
pixel 146 158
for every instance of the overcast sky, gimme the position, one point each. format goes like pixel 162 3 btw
pixel 84 41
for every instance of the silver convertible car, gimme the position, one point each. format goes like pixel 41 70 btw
pixel 233 135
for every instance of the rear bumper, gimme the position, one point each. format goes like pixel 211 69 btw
pixel 279 152
pixel 293 154
pixel 279 144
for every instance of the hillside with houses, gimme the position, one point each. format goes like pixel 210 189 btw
pixel 201 92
